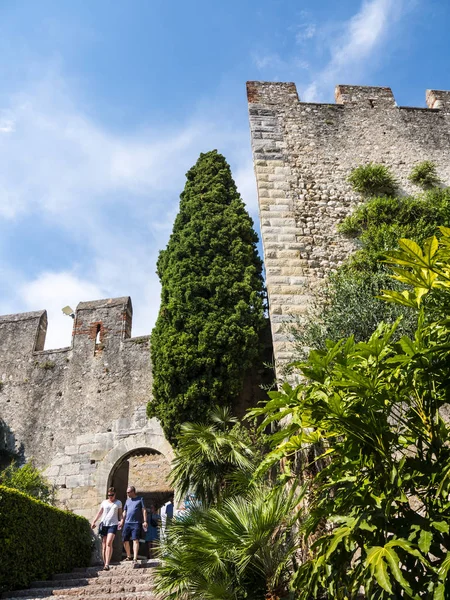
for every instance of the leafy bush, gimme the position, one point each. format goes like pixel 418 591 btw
pixel 424 174
pixel 239 529
pixel 29 480
pixel 38 540
pixel 375 408
pixel 207 335
pixel 380 222
pixel 243 548
pixel 214 458
pixel 373 180
pixel 347 305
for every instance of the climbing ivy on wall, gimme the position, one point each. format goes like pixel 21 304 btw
pixel 347 304
pixel 212 300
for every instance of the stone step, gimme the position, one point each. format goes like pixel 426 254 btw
pixel 108 579
pixel 141 564
pixel 100 596
pixel 123 580
pixel 86 593
pixel 116 570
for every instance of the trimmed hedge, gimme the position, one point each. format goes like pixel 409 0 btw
pixel 37 540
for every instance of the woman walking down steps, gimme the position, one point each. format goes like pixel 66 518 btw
pixel 111 512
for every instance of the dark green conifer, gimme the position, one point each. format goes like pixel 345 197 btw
pixel 212 300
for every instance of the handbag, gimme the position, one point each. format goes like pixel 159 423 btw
pixel 100 528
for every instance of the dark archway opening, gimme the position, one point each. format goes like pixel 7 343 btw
pixel 148 471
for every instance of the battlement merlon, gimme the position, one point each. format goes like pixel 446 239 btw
pixel 104 323
pixel 99 326
pixel 438 99
pixel 265 92
pixel 23 333
pixel 369 96
pixel 278 94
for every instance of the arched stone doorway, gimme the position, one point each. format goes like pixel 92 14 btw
pixel 148 471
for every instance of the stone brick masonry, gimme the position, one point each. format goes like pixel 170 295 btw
pixel 303 154
pixel 78 411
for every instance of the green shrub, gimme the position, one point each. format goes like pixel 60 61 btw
pixel 47 365
pixel 424 174
pixel 375 409
pixel 243 548
pixel 346 304
pixel 38 540
pixel 373 180
pixel 29 480
pixel 380 222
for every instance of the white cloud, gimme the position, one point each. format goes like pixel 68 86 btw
pixel 112 195
pixel 52 291
pixel 306 31
pixel 355 49
pixel 6 125
pixel 277 64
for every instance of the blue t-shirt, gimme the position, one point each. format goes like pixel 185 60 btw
pixel 134 507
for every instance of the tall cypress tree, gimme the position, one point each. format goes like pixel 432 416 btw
pixel 212 301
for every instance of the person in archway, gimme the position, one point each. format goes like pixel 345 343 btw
pixel 152 535
pixel 133 520
pixel 167 511
pixel 111 513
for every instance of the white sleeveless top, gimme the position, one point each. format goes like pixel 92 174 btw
pixel 110 515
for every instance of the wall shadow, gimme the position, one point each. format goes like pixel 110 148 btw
pixel 9 452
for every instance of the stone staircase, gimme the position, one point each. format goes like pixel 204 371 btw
pixel 123 581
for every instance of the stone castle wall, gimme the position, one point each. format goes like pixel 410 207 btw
pixel 303 154
pixel 78 411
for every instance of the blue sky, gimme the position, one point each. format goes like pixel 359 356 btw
pixel 105 105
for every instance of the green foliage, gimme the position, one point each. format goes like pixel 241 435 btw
pixel 212 301
pixel 47 365
pixel 213 458
pixel 375 409
pixel 373 180
pixel 38 540
pixel 424 174
pixel 380 222
pixel 243 548
pixel 240 530
pixel 347 304
pixel 29 480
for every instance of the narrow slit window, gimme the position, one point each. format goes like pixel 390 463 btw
pixel 97 335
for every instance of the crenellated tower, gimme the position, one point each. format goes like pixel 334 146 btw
pixel 303 154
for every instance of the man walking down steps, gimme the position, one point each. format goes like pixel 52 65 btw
pixel 134 520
